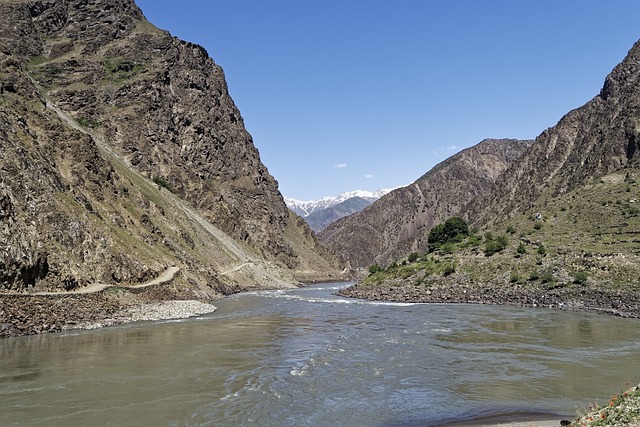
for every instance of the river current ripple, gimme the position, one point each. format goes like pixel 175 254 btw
pixel 306 357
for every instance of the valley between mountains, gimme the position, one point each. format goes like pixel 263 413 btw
pixel 124 156
pixel 131 190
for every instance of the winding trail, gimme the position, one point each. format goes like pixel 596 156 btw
pixel 236 268
pixel 164 277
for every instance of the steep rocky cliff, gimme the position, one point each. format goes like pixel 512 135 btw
pixel 589 142
pixel 399 222
pixel 123 154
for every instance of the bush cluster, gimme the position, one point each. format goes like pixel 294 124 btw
pixel 453 229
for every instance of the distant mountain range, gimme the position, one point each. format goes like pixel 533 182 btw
pixel 319 213
pixel 398 223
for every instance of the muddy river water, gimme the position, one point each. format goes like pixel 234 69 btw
pixel 306 357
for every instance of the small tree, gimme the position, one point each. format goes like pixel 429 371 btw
pixel 455 226
pixel 413 257
pixel 495 245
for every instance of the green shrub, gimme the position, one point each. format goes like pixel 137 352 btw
pixel 162 182
pixel 375 268
pixel 542 250
pixel 474 240
pixel 413 257
pixel 495 245
pixel 521 249
pixel 448 248
pixel 120 69
pixel 580 277
pixel 491 248
pixel 547 277
pixel 450 268
pixel 502 240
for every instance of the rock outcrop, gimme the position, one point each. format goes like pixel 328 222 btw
pixel 399 222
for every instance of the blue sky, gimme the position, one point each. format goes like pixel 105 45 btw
pixel 344 95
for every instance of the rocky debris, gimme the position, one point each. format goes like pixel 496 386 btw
pixel 167 310
pixel 27 315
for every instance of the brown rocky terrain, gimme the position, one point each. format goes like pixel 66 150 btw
pixel 122 155
pixel 399 222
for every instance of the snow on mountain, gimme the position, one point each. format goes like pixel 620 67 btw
pixel 304 208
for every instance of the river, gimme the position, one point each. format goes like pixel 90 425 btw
pixel 305 357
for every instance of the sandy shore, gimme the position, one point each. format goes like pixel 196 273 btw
pixel 506 422
pixel 542 423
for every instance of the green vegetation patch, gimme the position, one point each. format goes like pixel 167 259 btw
pixel 162 182
pixel 120 69
pixel 426 266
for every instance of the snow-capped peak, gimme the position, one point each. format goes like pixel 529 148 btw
pixel 304 208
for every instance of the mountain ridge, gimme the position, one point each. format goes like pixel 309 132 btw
pixel 559 228
pixel 319 220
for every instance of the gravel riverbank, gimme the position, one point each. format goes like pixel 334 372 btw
pixel 24 314
pixel 456 288
pixel 166 310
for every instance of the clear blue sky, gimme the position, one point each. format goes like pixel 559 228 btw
pixel 344 95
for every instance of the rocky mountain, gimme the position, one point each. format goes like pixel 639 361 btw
pixel 399 222
pixel 589 142
pixel 123 154
pixel 319 220
pixel 306 208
